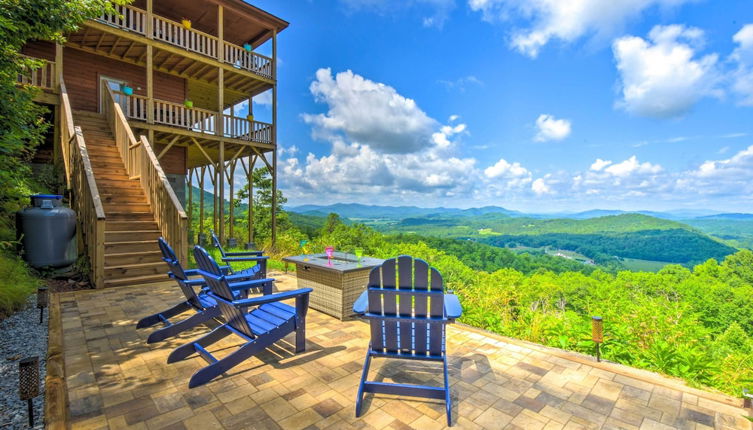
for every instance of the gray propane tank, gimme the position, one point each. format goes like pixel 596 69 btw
pixel 48 232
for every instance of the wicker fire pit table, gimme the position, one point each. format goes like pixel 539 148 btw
pixel 337 284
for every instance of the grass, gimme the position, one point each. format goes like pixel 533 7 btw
pixel 17 284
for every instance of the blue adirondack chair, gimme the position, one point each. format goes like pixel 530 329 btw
pixel 206 307
pixel 230 257
pixel 260 321
pixel 407 309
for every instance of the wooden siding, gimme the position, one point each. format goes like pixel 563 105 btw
pixel 82 71
pixel 174 160
pixel 40 49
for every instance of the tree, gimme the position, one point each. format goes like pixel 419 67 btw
pixel 22 126
pixel 262 205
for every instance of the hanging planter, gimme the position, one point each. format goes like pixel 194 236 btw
pixel 250 118
pixel 125 89
pixel 247 47
pixel 186 23
pixel 188 104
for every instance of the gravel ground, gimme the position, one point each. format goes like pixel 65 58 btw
pixel 21 336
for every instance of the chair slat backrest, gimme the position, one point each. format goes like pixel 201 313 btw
pixel 169 257
pixel 403 293
pixel 217 244
pixel 221 290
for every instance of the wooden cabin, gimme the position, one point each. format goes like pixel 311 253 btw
pixel 146 100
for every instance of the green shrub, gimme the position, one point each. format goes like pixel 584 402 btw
pixel 17 284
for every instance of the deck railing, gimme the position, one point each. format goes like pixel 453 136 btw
pixel 174 33
pixel 141 163
pixel 42 77
pixel 247 60
pixel 126 17
pixel 90 213
pixel 242 128
pixel 135 107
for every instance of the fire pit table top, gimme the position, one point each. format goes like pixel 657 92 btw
pixel 341 262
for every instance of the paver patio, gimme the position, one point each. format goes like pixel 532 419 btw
pixel 115 380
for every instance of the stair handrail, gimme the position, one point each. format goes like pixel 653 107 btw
pixel 141 163
pixel 86 201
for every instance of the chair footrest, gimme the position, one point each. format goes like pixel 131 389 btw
pixel 405 390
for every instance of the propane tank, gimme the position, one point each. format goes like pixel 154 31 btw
pixel 47 231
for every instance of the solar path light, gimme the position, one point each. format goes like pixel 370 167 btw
pixel 42 301
pixel 28 383
pixel 597 334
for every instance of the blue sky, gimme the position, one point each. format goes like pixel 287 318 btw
pixel 539 105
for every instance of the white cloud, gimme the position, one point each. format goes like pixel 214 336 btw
pixel 382 145
pixel 369 113
pixel 600 164
pixel 509 171
pixel 540 187
pixel 551 128
pixel 742 77
pixel 632 166
pixel 660 76
pixel 564 20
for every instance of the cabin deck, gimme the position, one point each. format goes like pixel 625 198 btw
pixel 114 380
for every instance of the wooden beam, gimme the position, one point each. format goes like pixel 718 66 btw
pixel 274 140
pixel 222 193
pixel 127 51
pixel 196 142
pixel 150 85
pixel 201 202
pixel 167 148
pixel 114 45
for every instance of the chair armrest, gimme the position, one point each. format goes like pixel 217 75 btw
pixel 258 259
pixel 239 276
pixel 195 282
pixel 271 298
pixel 361 303
pixel 244 253
pixel 452 308
pixel 245 285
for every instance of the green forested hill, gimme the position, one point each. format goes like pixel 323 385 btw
pixel 737 232
pixel 675 246
pixel 499 224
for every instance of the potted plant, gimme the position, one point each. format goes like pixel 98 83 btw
pixel 125 89
pixel 250 118
pixel 247 47
pixel 188 104
pixel 186 23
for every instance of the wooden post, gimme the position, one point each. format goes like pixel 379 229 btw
pixel 201 201
pixel 149 86
pixel 58 65
pixel 214 205
pixel 221 177
pixel 220 33
pixel 149 19
pixel 274 139
pixel 231 228
pixel 190 200
pixel 250 174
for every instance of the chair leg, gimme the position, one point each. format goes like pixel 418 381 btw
pixel 167 314
pixel 207 373
pixel 447 399
pixel 188 323
pixel 301 308
pixel 184 351
pixel 364 375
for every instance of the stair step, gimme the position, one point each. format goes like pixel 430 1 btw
pixel 124 258
pixel 126 207
pixel 122 197
pixel 131 225
pixel 131 235
pixel 136 280
pixel 131 270
pixel 117 215
pixel 131 246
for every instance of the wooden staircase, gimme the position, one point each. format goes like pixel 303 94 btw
pixel 132 256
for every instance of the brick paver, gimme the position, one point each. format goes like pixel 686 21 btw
pixel 115 380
